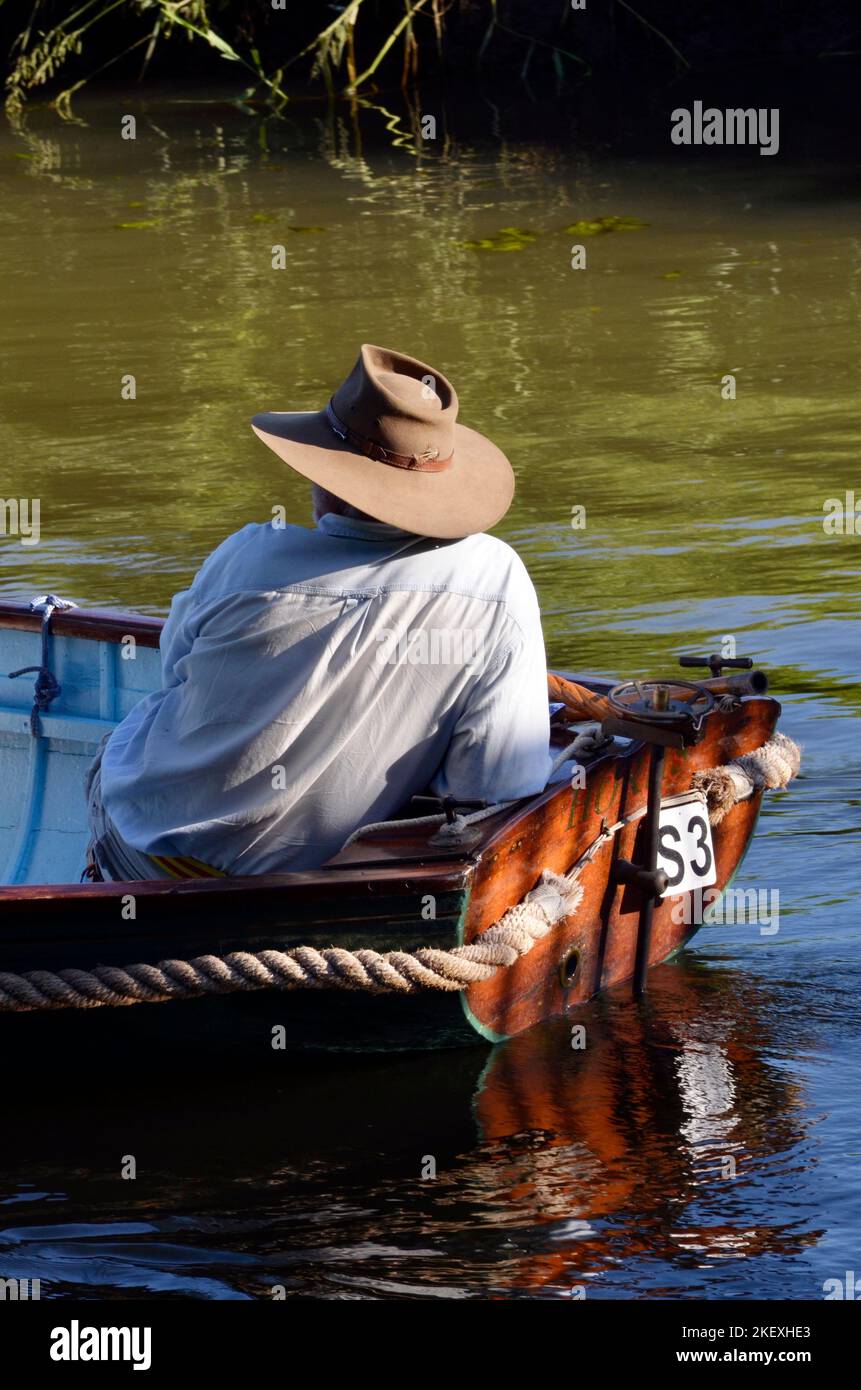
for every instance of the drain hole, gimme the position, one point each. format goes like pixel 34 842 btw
pixel 568 969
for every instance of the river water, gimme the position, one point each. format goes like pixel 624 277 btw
pixel 558 1173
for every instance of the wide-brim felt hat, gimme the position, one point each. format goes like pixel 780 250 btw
pixel 389 443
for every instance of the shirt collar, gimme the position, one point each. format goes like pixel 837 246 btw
pixel 353 528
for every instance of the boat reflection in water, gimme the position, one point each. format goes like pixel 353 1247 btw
pixel 646 1145
pixel 558 1172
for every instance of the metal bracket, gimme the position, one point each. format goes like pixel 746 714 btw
pixel 451 805
pixel 47 687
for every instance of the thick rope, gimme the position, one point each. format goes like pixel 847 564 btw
pixel 772 766
pixel 390 972
pixel 579 702
pixel 304 967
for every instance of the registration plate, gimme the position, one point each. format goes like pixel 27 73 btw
pixel 685 849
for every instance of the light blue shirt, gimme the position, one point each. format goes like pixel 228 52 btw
pixel 314 680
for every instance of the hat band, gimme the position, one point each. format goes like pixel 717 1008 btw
pixel 427 462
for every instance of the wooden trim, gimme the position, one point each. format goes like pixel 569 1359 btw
pixel 283 888
pixel 304 883
pixel 97 624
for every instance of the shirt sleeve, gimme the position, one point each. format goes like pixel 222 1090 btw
pixel 500 749
pixel 180 628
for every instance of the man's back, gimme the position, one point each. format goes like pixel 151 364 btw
pixel 313 680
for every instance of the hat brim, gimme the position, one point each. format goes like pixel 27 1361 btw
pixel 471 495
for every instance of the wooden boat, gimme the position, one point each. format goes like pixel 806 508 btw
pixel 91 667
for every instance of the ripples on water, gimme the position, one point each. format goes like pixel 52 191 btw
pixel 555 1169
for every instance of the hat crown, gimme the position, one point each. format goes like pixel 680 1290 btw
pixel 399 403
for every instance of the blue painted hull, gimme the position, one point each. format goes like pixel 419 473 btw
pixel 43 831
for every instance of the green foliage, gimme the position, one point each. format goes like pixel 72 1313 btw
pixel 51 39
pixel 39 55
pixel 587 227
pixel 517 238
pixel 506 239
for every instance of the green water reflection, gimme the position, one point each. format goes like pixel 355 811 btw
pixel 153 258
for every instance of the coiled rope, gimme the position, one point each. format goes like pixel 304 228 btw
pixel 373 972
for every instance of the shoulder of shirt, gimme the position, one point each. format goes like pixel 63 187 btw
pixel 502 567
pixel 264 530
pixel 219 563
pixel 505 576
pixel 258 533
pixel 500 562
pixel 491 546
pixel 481 564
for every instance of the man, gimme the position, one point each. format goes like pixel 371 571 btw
pixel 314 680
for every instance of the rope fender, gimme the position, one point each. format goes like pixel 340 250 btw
pixel 374 972
pixel 304 967
pixel 772 766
